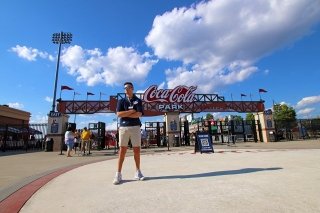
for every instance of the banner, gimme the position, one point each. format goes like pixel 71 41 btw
pixel 262 90
pixel 66 88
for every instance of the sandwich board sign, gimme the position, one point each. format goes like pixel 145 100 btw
pixel 203 143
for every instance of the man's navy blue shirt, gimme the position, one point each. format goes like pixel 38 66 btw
pixel 125 104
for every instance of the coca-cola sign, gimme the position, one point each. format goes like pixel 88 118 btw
pixel 180 94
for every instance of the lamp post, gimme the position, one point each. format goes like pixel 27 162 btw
pixel 59 38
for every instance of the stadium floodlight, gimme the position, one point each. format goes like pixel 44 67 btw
pixel 59 38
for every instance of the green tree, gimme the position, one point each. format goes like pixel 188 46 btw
pixel 284 112
pixel 226 119
pixel 249 116
pixel 237 118
pixel 209 116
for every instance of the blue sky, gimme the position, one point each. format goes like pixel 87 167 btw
pixel 224 47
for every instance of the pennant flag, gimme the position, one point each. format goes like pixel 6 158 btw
pixel 101 93
pixel 89 93
pixel 262 90
pixel 66 88
pixel 76 93
pixel 243 95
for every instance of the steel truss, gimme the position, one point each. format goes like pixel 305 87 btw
pixel 201 103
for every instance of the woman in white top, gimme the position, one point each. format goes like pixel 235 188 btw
pixel 69 140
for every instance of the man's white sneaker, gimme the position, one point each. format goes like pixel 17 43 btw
pixel 117 179
pixel 139 175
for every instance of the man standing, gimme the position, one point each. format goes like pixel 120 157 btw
pixel 129 109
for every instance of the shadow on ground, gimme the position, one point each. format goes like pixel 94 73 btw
pixel 218 173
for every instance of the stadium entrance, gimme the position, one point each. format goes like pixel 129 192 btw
pixel 170 103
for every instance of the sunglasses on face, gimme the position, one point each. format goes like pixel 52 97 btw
pixel 127 87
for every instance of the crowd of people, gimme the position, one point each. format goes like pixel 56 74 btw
pixel 78 139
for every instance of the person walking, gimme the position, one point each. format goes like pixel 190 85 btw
pixel 129 109
pixel 76 140
pixel 69 140
pixel 85 140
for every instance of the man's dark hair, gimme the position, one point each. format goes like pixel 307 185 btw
pixel 128 83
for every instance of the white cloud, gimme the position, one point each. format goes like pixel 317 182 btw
pixel 30 54
pixel 48 99
pixel 112 68
pixel 39 119
pixel 160 86
pixel 207 79
pixel 16 105
pixel 284 103
pixel 222 40
pixel 308 101
pixel 305 111
pixel 111 126
pixel 140 91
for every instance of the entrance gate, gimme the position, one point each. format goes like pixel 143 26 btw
pixel 98 131
pixel 156 132
pixel 185 133
pixel 169 102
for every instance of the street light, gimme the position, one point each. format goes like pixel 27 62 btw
pixel 59 38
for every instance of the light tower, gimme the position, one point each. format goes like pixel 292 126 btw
pixel 59 38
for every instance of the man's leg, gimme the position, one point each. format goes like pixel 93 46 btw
pixel 83 146
pixel 122 155
pixel 136 143
pixel 123 143
pixel 138 175
pixel 136 154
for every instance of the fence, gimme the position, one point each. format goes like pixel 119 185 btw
pixel 229 131
pixel 298 129
pixel 222 131
pixel 22 137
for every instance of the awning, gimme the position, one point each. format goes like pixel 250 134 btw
pixel 31 131
pixel 10 129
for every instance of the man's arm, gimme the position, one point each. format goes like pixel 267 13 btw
pixel 135 115
pixel 127 113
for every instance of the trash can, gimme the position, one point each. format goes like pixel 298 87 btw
pixel 164 141
pixel 176 140
pixel 49 145
pixel 272 137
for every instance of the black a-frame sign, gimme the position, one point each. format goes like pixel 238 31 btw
pixel 203 143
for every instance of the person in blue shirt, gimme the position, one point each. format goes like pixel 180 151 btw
pixel 129 109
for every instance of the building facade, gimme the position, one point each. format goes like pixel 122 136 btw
pixel 13 116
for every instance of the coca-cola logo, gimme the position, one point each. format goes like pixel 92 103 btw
pixel 180 94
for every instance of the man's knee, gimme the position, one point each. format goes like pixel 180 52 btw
pixel 136 149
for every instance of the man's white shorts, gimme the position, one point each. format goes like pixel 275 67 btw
pixel 132 133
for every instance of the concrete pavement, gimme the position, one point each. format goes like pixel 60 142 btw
pixel 248 177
